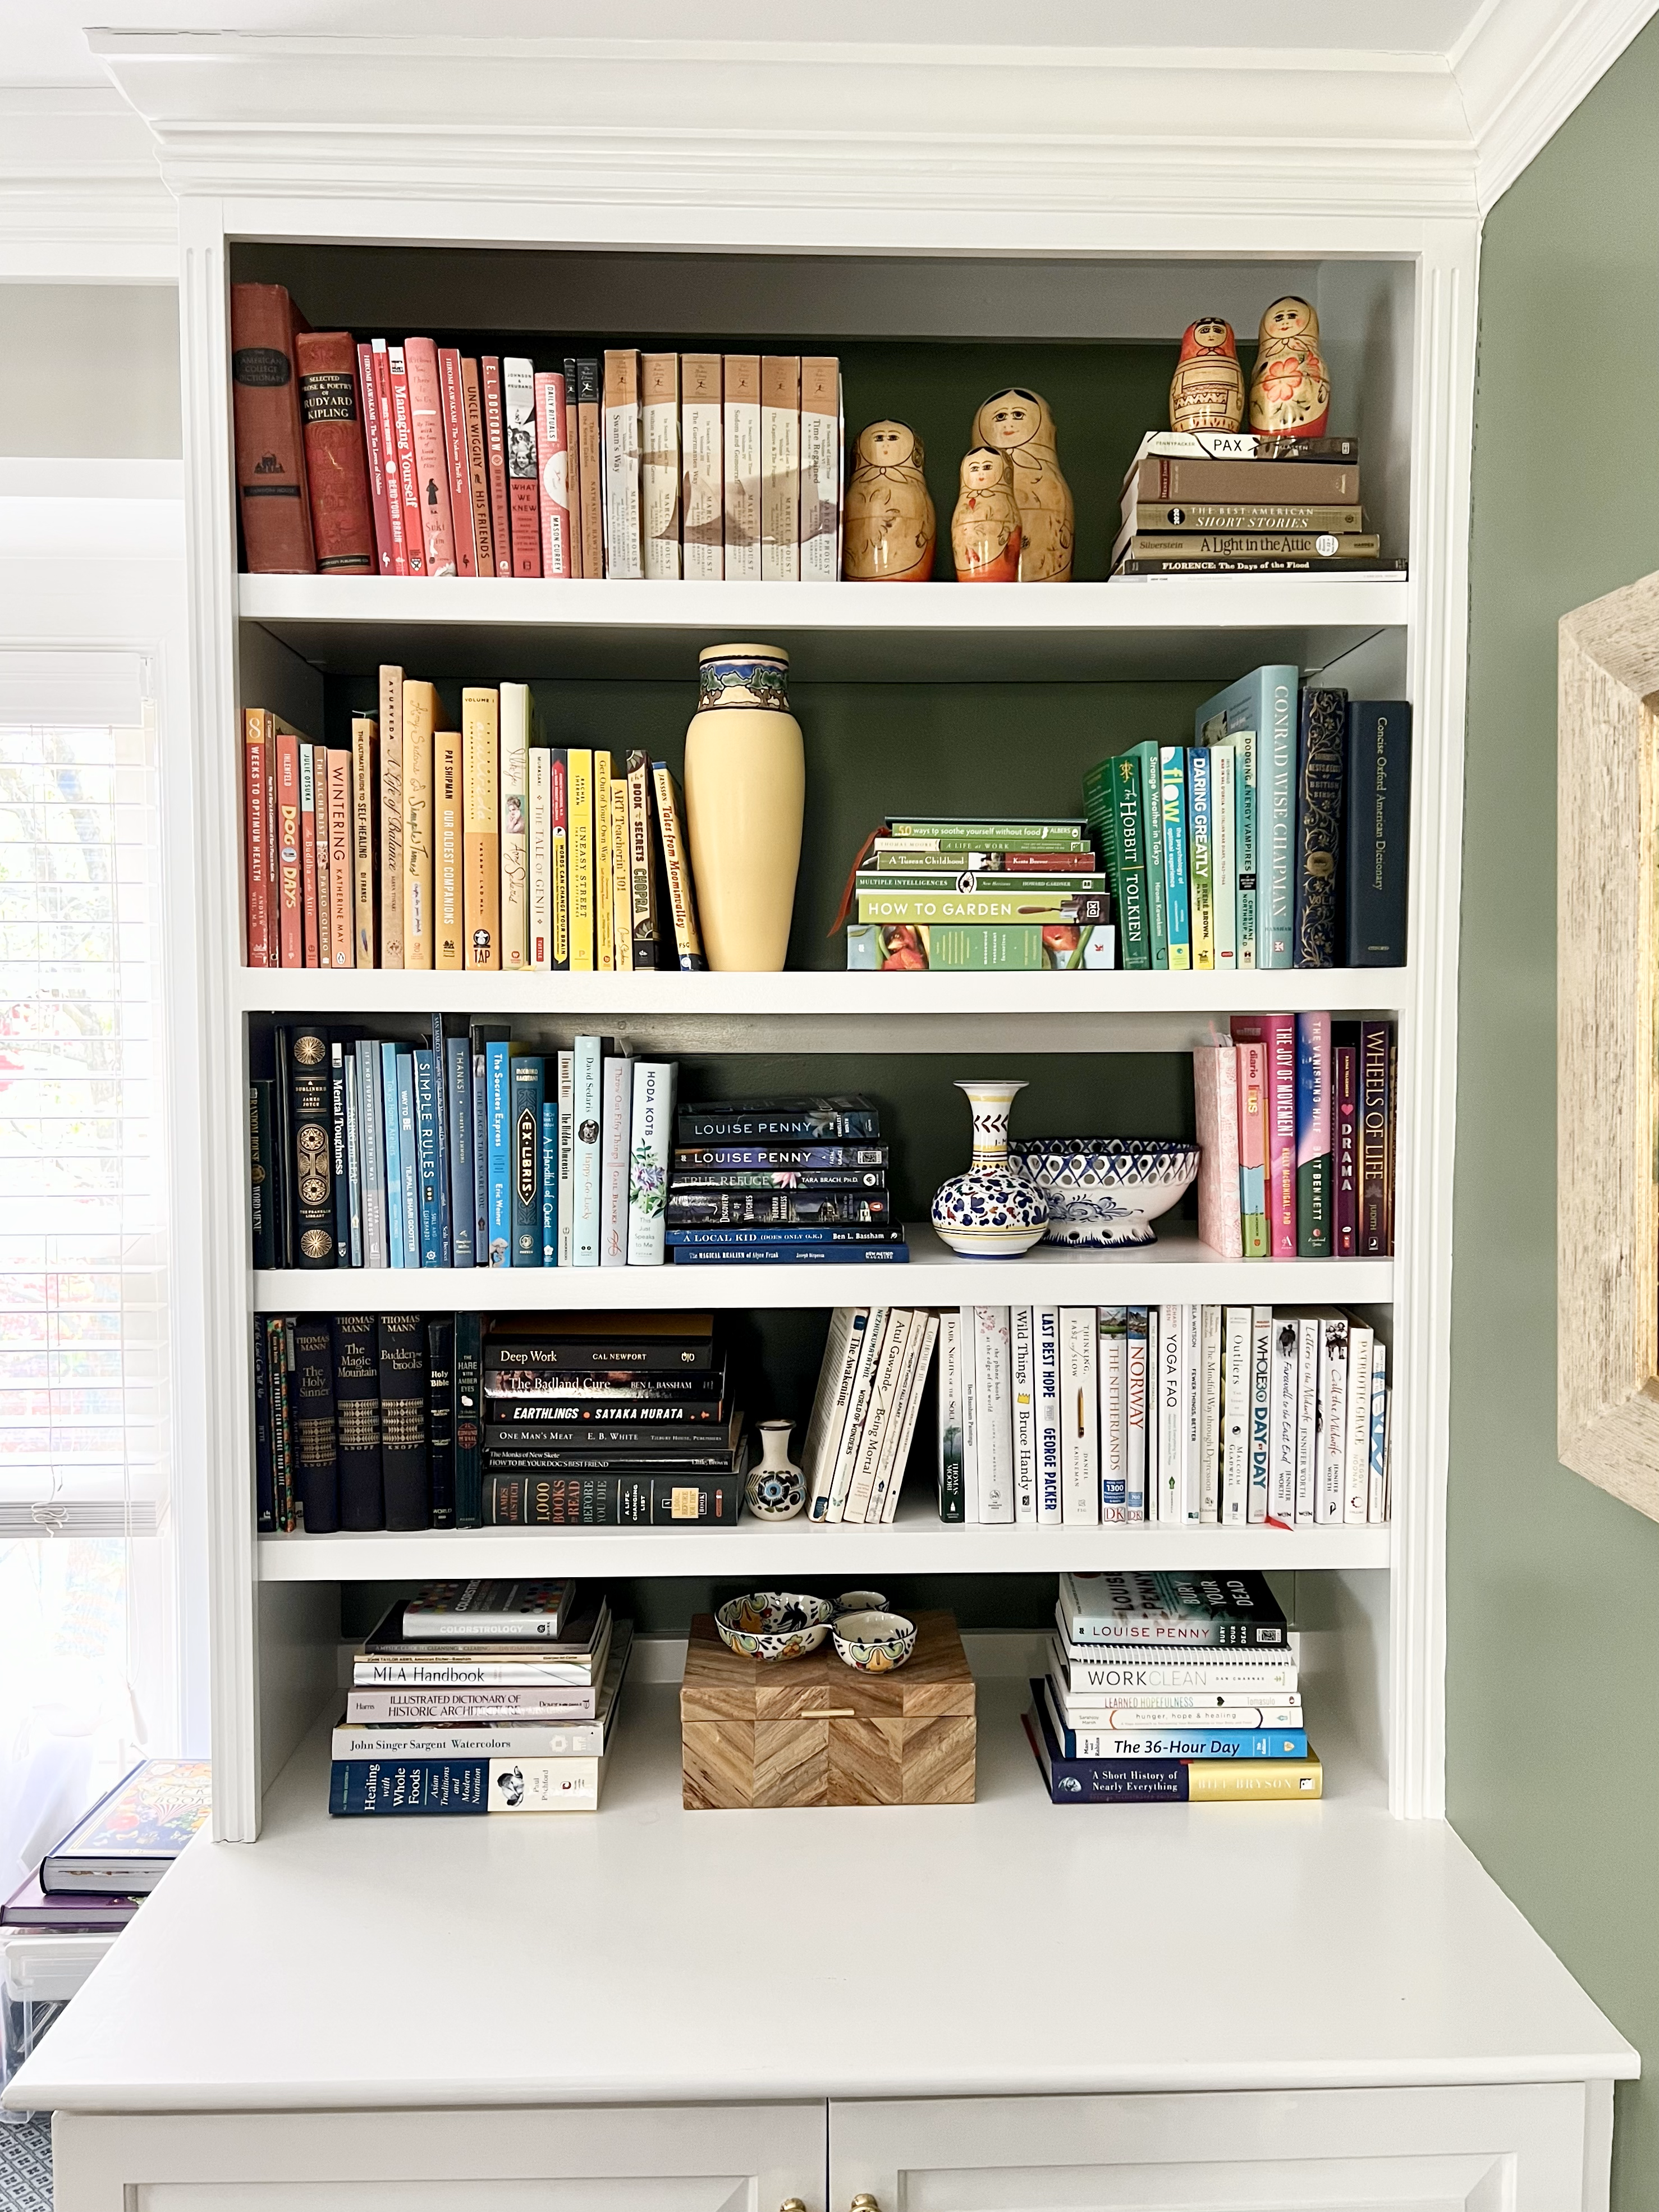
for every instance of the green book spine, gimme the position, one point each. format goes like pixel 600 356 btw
pixel 984 950
pixel 1151 796
pixel 1172 813
pixel 1244 747
pixel 1131 845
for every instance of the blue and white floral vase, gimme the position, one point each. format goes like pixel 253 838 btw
pixel 776 1488
pixel 994 1210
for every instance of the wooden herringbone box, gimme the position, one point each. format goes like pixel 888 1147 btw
pixel 814 1732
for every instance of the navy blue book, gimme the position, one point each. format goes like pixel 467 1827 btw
pixel 337 1087
pixel 405 1474
pixel 357 1411
pixel 441 1419
pixel 428 1179
pixel 1321 746
pixel 458 1101
pixel 264 1488
pixel 525 1087
pixel 1378 832
pixel 468 1368
pixel 316 1433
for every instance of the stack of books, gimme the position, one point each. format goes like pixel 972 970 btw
pixel 482 1697
pixel 482 847
pixel 99 1874
pixel 1170 1688
pixel 876 1364
pixel 1211 502
pixel 610 1421
pixel 1278 839
pixel 416 461
pixel 781 1179
pixel 468 1151
pixel 1296 1129
pixel 1229 1416
pixel 978 892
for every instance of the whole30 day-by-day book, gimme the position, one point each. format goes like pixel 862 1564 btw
pixel 130 1839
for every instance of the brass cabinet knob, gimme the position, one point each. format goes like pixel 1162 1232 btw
pixel 864 2202
pixel 792 2204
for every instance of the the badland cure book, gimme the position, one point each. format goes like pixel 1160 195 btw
pixel 337 469
pixel 270 472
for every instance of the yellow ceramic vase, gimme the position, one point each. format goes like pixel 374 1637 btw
pixel 745 791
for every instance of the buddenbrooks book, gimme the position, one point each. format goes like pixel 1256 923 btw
pixel 133 1835
pixel 1235 1610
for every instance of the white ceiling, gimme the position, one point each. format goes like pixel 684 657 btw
pixel 40 41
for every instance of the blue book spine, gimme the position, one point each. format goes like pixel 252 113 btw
pixel 409 1159
pixel 441 1123
pixel 394 1166
pixel 1172 783
pixel 458 1101
pixel 480 1162
pixel 587 1077
pixel 426 1155
pixel 497 1071
pixel 525 1092
pixel 373 1163
pixel 550 1178
pixel 354 1163
pixel 892 1255
pixel 380 1786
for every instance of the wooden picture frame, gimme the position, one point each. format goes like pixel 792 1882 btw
pixel 1606 1214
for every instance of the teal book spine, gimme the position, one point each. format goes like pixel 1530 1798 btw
pixel 426 1161
pixel 550 1177
pixel 409 1159
pixel 1201 857
pixel 525 1087
pixel 498 1061
pixel 1264 702
pixel 1244 834
pixel 1172 787
pixel 394 1165
pixel 1150 794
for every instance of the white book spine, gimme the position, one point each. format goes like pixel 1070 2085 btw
pixel 1237 1351
pixel 1192 1414
pixel 820 478
pixel 513 752
pixel 781 493
pixel 622 488
pixel 587 1114
pixel 879 1417
pixel 930 1327
pixel 889 1467
pixel 650 1133
pixel 567 1159
pixel 743 489
pixel 541 859
pixel 1223 854
pixel 1376 1496
pixel 1357 1438
pixel 1079 1417
pixel 829 1403
pixel 659 466
pixel 1112 1360
pixel 1307 1419
pixel 1261 1401
pixel 1211 1356
pixel 858 1411
pixel 1138 1433
pixel 994 1428
pixel 1021 1339
pixel 950 1405
pixel 616 1117
pixel 1332 1419
pixel 1171 1324
pixel 702 518
pixel 1045 1329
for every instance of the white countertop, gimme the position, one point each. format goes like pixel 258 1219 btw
pixel 646 1954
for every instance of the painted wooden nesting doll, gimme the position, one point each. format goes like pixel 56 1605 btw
pixel 890 525
pixel 985 532
pixel 1290 385
pixel 1020 424
pixel 1206 391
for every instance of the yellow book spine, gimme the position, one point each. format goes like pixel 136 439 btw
pixel 1233 1780
pixel 605 919
pixel 481 847
pixel 392 817
pixel 515 827
pixel 580 788
pixel 622 896
pixel 447 778
pixel 420 721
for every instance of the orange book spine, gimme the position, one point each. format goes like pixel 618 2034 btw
pixel 341 872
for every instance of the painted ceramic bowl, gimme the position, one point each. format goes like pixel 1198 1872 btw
pixel 774 1624
pixel 862 1601
pixel 874 1642
pixel 990 1213
pixel 1105 1191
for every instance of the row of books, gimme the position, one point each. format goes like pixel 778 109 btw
pixel 1205 502
pixel 978 892
pixel 1171 1688
pixel 1229 1416
pixel 877 1362
pixel 782 1180
pixel 98 1874
pixel 1296 1130
pixel 483 1698
pixel 483 847
pixel 1278 839
pixel 377 459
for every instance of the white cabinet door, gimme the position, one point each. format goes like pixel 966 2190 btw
pixel 730 2158
pixel 1505 2149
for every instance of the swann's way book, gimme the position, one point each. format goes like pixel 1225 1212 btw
pixel 131 1837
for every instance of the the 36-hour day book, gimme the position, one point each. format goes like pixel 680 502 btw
pixel 1174 1781
pixel 133 1835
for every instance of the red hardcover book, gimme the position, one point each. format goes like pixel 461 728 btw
pixel 338 933
pixel 337 461
pixel 377 499
pixel 389 472
pixel 311 899
pixel 553 490
pixel 256 823
pixel 477 469
pixel 460 482
pixel 403 426
pixel 290 913
pixel 495 429
pixel 271 466
pixel 426 410
pixel 1344 1095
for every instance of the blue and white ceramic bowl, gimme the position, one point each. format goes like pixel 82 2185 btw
pixel 990 1213
pixel 1106 1192
pixel 774 1624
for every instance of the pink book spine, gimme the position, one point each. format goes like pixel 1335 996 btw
pixel 1278 1041
pixel 1215 1096
pixel 1344 1087
pixel 377 498
pixel 1253 1148
pixel 552 470
pixel 460 482
pixel 495 425
pixel 403 425
pixel 390 486
pixel 426 410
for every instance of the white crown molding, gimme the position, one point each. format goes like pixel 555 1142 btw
pixel 82 196
pixel 1524 66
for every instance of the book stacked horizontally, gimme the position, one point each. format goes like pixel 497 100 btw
pixel 1209 502
pixel 876 1364
pixel 1166 1687
pixel 781 1179
pixel 482 1697
pixel 979 892
pixel 610 1421
pixel 99 1873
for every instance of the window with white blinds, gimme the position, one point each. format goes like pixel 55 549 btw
pixel 83 1354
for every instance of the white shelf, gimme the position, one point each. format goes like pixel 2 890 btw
pixel 757 1552
pixel 1176 1268
pixel 1149 626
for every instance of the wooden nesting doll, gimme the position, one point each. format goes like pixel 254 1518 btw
pixel 1020 424
pixel 985 533
pixel 1290 385
pixel 891 526
pixel 1206 391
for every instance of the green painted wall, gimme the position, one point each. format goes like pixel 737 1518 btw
pixel 1553 1589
